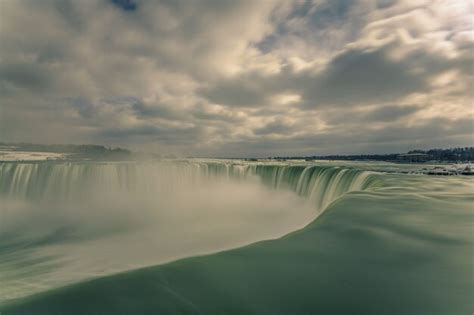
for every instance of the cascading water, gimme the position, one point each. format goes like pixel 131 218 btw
pixel 65 222
pixel 320 184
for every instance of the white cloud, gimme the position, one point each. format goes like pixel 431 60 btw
pixel 236 77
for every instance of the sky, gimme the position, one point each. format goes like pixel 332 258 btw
pixel 238 78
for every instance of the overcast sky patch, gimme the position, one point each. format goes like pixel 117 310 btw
pixel 243 78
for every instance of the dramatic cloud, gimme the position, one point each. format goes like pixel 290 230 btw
pixel 238 78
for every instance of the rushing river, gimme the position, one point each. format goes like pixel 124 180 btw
pixel 388 243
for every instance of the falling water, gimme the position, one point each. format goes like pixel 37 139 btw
pixel 65 222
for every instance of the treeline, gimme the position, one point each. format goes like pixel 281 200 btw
pixel 372 157
pixel 464 154
pixel 454 154
pixel 79 152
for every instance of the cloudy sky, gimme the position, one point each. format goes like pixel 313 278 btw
pixel 238 77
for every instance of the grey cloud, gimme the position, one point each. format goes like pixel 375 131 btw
pixel 430 131
pixel 355 77
pixel 126 5
pixel 391 113
pixel 207 77
pixel 364 139
pixel 384 114
pixel 319 23
pixel 274 127
pixel 166 135
pixel 241 91
pixel 383 4
pixel 97 109
pixel 200 113
pixel 84 107
pixel 71 16
pixel 351 78
pixel 158 110
pixel 23 75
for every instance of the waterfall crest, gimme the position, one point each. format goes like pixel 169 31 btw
pixel 61 223
pixel 319 184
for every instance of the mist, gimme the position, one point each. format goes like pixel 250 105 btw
pixel 55 242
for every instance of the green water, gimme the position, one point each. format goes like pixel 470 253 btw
pixel 395 244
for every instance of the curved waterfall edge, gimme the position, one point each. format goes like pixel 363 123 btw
pixel 320 185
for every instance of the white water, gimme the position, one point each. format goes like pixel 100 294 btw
pixel 65 222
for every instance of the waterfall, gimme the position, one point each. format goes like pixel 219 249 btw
pixel 51 180
pixel 63 222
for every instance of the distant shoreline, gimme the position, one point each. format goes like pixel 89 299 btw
pixel 72 152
